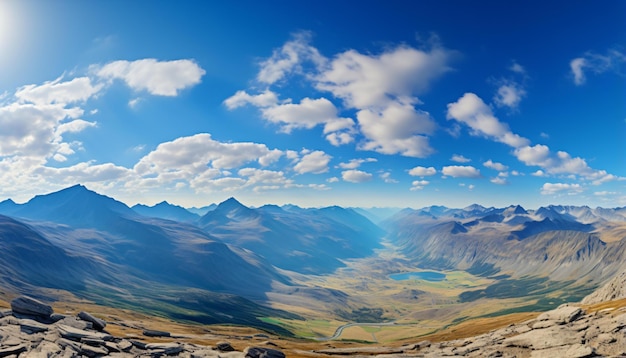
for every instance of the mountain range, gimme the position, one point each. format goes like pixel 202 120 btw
pixel 247 261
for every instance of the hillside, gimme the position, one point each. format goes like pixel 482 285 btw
pixel 305 272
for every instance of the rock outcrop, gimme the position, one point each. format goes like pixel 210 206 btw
pixel 564 332
pixel 31 329
pixel 612 290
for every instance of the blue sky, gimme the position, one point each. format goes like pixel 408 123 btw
pixel 354 103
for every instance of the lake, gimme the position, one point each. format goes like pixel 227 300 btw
pixel 422 275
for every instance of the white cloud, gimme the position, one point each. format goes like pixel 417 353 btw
pixel 471 187
pixel 422 171
pixel 495 165
pixel 472 111
pixel 386 177
pixel 370 81
pixel 419 184
pixel 612 61
pixel 356 176
pixel 576 65
pixel 241 98
pixel 517 68
pixel 398 129
pixel 78 89
pixel 499 180
pixel 355 163
pixel 460 159
pixel 604 193
pixel 307 114
pixel 509 95
pixel 75 126
pixel 289 58
pixel 557 188
pixel 315 162
pixel 162 78
pixel 461 171
pixel 86 172
pixel 332 180
pixel 134 102
pixel 188 157
pixel 35 130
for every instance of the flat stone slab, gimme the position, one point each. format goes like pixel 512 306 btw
pixel 78 334
pixel 30 306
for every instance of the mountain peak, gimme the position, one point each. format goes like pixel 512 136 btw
pixel 230 204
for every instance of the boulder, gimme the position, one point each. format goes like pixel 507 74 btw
pixel 29 326
pixel 154 333
pixel 224 347
pixel 562 315
pixel 13 350
pixel 97 322
pixel 78 334
pixel 164 348
pixel 259 352
pixel 30 306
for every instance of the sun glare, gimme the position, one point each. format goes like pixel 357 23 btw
pixel 9 20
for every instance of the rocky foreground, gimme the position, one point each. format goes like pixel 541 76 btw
pixel 567 331
pixel 31 329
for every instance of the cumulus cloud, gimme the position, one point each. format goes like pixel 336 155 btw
pixel 509 95
pixel 289 58
pixel 495 165
pixel 76 90
pixel 612 61
pixel 419 184
pixel 557 188
pixel 461 171
pixel 422 171
pixel 460 159
pixel 356 176
pixel 161 78
pixel 307 114
pixel 187 157
pixel 355 163
pixel 499 180
pixel 382 88
pixel 386 177
pixel 315 162
pixel 242 98
pixel 472 111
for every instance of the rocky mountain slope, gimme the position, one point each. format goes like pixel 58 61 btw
pixel 558 243
pixel 309 241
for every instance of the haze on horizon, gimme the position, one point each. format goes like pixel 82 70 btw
pixel 405 105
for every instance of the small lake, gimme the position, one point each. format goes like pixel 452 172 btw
pixel 422 275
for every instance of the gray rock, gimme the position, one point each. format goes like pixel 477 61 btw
pixel 154 333
pixel 5 313
pixel 97 322
pixel 7 351
pixel 76 323
pixel 78 334
pixel 125 345
pixel 563 314
pixel 29 326
pixel 224 347
pixel 164 348
pixel 573 351
pixel 91 351
pixel 544 338
pixel 139 344
pixel 259 352
pixel 30 306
